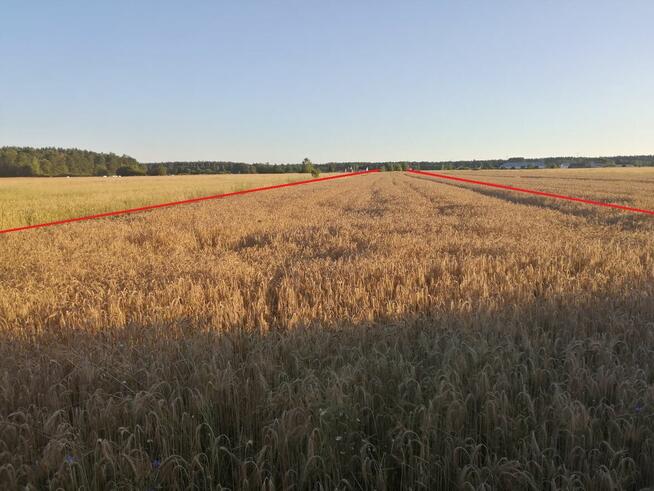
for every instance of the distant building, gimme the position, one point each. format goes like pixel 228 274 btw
pixel 523 164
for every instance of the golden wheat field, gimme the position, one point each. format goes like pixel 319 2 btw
pixel 385 331
pixel 27 201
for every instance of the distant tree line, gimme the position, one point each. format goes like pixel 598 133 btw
pixel 25 161
pixel 553 162
pixel 211 167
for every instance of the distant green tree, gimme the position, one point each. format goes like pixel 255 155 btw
pixel 46 167
pixel 127 170
pixel 307 166
pixel 157 170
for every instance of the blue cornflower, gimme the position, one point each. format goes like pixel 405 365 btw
pixel 156 463
pixel 69 459
pixel 639 407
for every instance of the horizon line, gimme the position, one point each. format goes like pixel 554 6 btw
pixel 323 162
pixel 650 155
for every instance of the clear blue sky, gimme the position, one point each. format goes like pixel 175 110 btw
pixel 332 80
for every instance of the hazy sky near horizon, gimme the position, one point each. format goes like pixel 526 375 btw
pixel 276 81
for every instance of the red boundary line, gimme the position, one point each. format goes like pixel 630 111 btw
pixel 183 202
pixel 531 191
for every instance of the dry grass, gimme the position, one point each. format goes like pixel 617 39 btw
pixel 627 186
pixel 378 332
pixel 27 201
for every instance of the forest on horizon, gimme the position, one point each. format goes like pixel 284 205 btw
pixel 52 162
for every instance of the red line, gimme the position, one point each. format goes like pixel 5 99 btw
pixel 183 202
pixel 531 191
